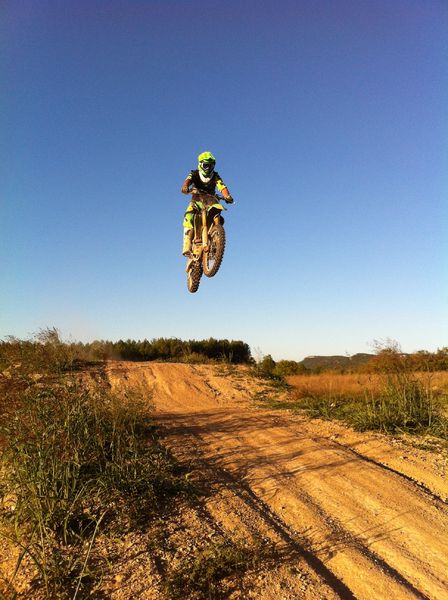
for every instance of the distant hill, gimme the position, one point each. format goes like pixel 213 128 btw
pixel 335 362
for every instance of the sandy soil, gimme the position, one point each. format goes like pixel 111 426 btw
pixel 350 515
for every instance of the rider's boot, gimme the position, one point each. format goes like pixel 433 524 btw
pixel 188 236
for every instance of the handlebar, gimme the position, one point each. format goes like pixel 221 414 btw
pixel 215 197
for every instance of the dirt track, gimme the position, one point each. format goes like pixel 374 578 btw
pixel 352 515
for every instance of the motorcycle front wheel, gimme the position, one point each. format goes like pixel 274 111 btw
pixel 212 259
pixel 194 276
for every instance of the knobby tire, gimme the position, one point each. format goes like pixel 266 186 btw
pixel 211 260
pixel 194 276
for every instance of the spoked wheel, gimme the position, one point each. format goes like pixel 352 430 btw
pixel 194 274
pixel 211 260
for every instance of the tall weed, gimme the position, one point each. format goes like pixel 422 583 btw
pixel 77 459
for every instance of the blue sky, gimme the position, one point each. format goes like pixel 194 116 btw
pixel 329 123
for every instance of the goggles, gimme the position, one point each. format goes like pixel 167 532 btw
pixel 207 165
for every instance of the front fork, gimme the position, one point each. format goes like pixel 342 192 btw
pixel 216 220
pixel 204 230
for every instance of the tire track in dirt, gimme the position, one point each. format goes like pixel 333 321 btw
pixel 328 540
pixel 318 565
pixel 364 528
pixel 423 488
pixel 283 531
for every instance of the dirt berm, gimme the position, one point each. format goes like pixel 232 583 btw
pixel 351 515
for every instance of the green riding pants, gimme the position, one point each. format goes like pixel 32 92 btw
pixel 189 215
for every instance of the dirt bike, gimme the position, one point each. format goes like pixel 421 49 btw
pixel 209 238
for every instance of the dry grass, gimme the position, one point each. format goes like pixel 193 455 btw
pixel 354 384
pixel 395 401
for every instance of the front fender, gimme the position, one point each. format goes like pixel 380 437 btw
pixel 213 211
pixel 217 206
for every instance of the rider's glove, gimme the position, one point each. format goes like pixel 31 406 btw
pixel 185 189
pixel 229 200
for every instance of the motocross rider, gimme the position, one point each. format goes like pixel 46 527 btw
pixel 204 179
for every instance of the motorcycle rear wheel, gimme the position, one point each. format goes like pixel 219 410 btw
pixel 212 259
pixel 194 276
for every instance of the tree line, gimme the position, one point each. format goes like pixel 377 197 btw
pixel 163 349
pixel 172 349
pixel 388 358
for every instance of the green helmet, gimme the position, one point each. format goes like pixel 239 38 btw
pixel 206 163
